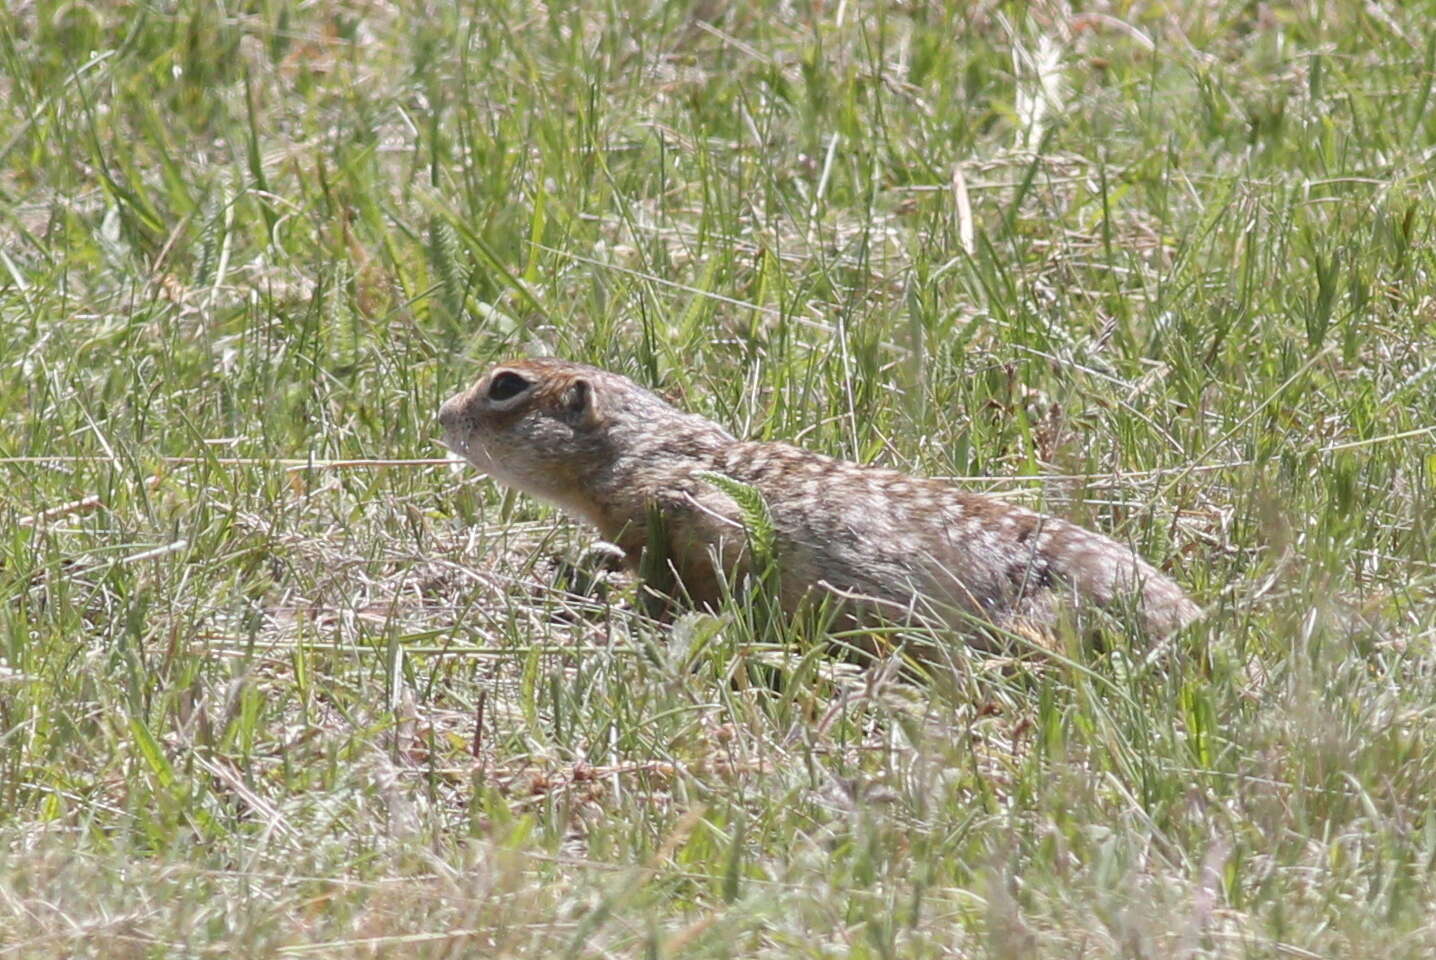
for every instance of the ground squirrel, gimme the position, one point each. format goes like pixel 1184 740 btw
pixel 891 548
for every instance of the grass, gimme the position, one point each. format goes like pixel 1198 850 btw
pixel 1165 270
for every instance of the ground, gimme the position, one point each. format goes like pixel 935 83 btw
pixel 274 683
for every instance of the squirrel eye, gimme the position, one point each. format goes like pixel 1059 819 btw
pixel 507 385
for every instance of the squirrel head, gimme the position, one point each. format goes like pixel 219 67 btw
pixel 589 441
pixel 530 424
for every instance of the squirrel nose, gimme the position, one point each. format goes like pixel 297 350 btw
pixel 451 412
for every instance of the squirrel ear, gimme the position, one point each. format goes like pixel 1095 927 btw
pixel 578 403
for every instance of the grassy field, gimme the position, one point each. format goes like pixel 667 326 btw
pixel 1164 269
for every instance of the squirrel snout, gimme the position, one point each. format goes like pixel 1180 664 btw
pixel 449 412
pixel 451 418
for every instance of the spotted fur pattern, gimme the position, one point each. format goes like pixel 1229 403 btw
pixel 888 546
